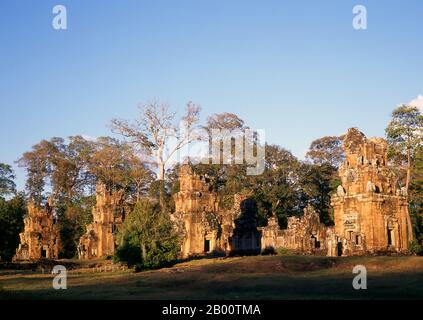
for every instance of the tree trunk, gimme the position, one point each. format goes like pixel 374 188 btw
pixel 143 252
pixel 161 181
pixel 407 185
pixel 161 170
pixel 407 182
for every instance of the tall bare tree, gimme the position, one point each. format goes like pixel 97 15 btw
pixel 157 131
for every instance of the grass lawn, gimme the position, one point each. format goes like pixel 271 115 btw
pixel 252 277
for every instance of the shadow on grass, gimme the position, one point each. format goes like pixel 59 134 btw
pixel 207 282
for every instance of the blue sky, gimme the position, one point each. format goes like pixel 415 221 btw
pixel 294 68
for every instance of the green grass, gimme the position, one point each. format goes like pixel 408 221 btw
pixel 253 277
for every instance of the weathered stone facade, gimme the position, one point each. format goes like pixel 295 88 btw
pixel 41 236
pixel 305 233
pixel 370 211
pixel 370 215
pixel 204 227
pixel 108 215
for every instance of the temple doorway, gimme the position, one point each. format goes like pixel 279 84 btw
pixel 206 245
pixel 339 249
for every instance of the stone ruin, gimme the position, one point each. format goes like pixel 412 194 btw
pixel 204 227
pixel 304 234
pixel 370 211
pixel 41 235
pixel 370 215
pixel 108 215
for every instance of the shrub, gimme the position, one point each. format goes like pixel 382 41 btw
pixel 147 238
pixel 128 253
pixel 12 213
pixel 416 248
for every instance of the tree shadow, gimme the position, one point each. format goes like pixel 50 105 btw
pixel 246 238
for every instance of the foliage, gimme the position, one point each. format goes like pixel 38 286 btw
pixel 12 213
pixel 415 195
pixel 327 150
pixel 317 182
pixel 147 237
pixel 225 121
pixel 70 169
pixel 405 137
pixel 404 130
pixel 404 134
pixel 73 219
pixel 416 248
pixel 73 168
pixel 7 185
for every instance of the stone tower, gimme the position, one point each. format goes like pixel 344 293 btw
pixel 41 235
pixel 108 215
pixel 196 214
pixel 207 228
pixel 370 212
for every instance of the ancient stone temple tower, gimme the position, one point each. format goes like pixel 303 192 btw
pixel 196 213
pixel 370 211
pixel 205 227
pixel 108 215
pixel 41 236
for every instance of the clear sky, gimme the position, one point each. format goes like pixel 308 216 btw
pixel 297 69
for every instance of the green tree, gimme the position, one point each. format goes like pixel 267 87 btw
pixel 61 166
pixel 73 218
pixel 327 150
pixel 276 191
pixel 415 196
pixel 109 163
pixel 12 213
pixel 404 134
pixel 7 176
pixel 147 237
pixel 317 182
pixel 69 175
pixel 319 176
pixel 70 168
pixel 38 167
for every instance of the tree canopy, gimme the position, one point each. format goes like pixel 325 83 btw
pixel 7 184
pixel 67 170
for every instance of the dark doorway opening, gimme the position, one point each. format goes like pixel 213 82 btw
pixel 339 249
pixel 43 253
pixel 206 245
pixel 315 242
